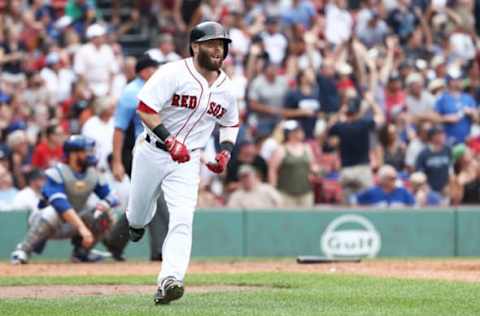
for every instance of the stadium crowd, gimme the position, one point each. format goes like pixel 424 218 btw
pixel 342 102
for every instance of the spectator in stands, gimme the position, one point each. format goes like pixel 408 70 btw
pixel 392 147
pixel 266 96
pixel 82 12
pixel 302 103
pixel 386 193
pixel 300 12
pixel 394 96
pixel 49 149
pixel 465 184
pixel 353 131
pixel 100 127
pixel 76 108
pixel 253 193
pixel 457 109
pixel 416 145
pixel 274 41
pixel 165 51
pixel 247 155
pixel 302 56
pixel 20 157
pixel 95 61
pixel 424 196
pixel 206 198
pixel 436 160
pixel 134 25
pixel 328 94
pixel 7 190
pixel 402 19
pixel 339 22
pixel 239 34
pixel 12 52
pixel 36 93
pixel 58 78
pixel 419 102
pixel 419 44
pixel 372 30
pixel 28 197
pixel 290 168
pixel 437 87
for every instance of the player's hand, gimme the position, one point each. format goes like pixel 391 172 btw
pixel 221 161
pixel 177 150
pixel 102 206
pixel 87 237
pixel 118 171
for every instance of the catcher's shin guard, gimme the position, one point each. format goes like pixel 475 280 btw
pixel 36 235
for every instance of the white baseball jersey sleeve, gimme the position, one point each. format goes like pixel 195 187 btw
pixel 188 106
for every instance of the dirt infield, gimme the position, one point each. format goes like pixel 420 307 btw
pixel 54 291
pixel 453 270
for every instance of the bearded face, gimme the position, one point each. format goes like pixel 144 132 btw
pixel 210 54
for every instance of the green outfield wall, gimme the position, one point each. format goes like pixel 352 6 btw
pixel 332 232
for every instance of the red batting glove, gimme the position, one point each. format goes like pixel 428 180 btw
pixel 177 150
pixel 221 159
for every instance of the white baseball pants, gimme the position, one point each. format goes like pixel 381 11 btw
pixel 153 169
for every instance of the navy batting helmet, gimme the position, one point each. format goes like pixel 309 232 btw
pixel 209 30
pixel 79 143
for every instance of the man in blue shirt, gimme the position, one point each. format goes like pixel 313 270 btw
pixel 386 193
pixel 301 12
pixel 435 160
pixel 458 109
pixel 127 128
pixel 63 208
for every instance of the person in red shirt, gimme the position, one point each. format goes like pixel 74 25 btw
pixel 49 150
pixel 394 97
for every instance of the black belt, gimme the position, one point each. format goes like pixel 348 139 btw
pixel 161 145
pixel 156 143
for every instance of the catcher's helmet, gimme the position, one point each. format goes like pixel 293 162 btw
pixel 209 30
pixel 78 143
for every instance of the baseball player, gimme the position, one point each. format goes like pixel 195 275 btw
pixel 127 128
pixel 63 212
pixel 180 106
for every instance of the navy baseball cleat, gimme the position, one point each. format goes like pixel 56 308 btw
pixel 135 234
pixel 169 290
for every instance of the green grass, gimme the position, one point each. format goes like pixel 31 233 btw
pixel 277 294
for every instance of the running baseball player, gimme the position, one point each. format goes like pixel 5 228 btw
pixel 63 213
pixel 180 106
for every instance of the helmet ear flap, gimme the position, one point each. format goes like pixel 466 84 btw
pixel 225 49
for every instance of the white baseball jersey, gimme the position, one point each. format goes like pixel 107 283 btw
pixel 188 106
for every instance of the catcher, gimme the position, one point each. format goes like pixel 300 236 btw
pixel 62 210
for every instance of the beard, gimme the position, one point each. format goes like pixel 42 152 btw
pixel 207 62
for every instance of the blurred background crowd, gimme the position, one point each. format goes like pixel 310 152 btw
pixel 342 101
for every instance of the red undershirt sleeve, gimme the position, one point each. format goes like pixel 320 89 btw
pixel 142 107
